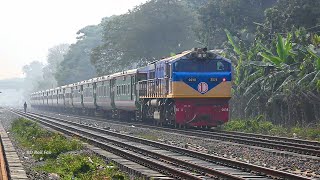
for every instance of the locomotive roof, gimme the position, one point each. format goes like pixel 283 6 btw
pixel 183 55
pixel 175 57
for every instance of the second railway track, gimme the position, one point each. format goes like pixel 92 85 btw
pixel 272 142
pixel 180 162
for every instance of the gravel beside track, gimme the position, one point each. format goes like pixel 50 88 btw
pixel 299 164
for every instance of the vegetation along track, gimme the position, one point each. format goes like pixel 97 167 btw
pixel 180 161
pixel 273 142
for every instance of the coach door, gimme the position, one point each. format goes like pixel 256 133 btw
pixel 81 94
pixel 132 85
pixel 112 89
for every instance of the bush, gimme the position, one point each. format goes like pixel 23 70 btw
pixel 81 166
pixel 258 125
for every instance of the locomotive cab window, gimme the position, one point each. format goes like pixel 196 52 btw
pixel 201 66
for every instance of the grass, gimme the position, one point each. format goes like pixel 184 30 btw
pixel 30 135
pixel 261 126
pixel 81 167
pixel 53 147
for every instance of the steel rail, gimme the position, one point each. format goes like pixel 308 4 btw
pixel 181 163
pixel 212 158
pixel 277 138
pixel 114 149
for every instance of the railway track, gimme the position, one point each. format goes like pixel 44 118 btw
pixel 272 142
pixel 176 161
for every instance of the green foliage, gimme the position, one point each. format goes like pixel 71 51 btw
pixel 292 13
pixel 55 57
pixel 43 143
pixel 284 51
pixel 76 65
pixel 260 126
pixel 231 41
pixel 148 32
pixel 81 167
pixel 250 126
pixel 278 90
pixel 235 15
pixel 313 52
pixel 54 148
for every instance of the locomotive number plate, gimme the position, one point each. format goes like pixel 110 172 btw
pixel 192 79
pixel 213 79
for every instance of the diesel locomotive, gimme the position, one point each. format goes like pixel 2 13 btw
pixel 192 88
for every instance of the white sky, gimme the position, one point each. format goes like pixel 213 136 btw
pixel 28 28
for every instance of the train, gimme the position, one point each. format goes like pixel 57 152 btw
pixel 189 89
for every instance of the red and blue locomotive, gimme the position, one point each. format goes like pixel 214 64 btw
pixel 192 88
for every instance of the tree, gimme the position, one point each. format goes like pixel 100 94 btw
pixel 33 76
pixel 283 85
pixel 55 57
pixel 76 65
pixel 235 15
pixel 287 14
pixel 148 32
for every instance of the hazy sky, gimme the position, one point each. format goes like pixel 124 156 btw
pixel 28 28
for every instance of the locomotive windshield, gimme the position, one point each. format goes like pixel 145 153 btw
pixel 201 66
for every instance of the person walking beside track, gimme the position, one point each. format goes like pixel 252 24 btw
pixel 25 107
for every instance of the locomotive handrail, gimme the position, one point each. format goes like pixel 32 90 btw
pixel 152 87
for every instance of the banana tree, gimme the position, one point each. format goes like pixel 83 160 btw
pixel 284 55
